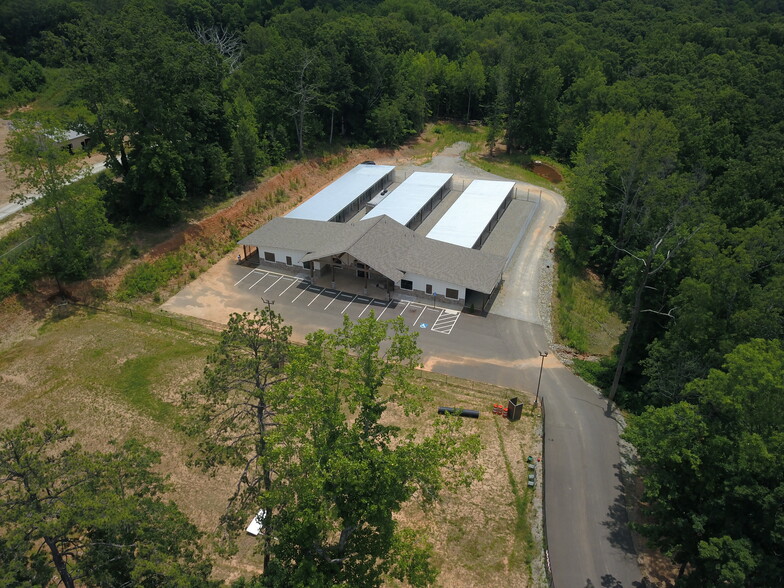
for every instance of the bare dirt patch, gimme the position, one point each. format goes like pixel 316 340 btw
pixel 546 171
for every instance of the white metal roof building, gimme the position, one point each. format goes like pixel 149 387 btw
pixel 470 219
pixel 412 201
pixel 384 245
pixel 343 198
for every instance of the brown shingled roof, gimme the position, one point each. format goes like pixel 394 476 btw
pixel 386 246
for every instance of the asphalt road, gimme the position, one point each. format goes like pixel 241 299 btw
pixel 587 532
pixel 10 208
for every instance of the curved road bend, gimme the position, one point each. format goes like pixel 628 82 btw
pixel 587 527
pixel 585 510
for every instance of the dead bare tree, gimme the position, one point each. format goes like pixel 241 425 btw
pixel 226 42
pixel 652 264
pixel 305 93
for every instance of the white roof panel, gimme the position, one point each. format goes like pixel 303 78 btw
pixel 465 220
pixel 331 200
pixel 408 198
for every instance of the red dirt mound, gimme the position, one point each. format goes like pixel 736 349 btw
pixel 546 171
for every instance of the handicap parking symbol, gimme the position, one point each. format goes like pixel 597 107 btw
pixel 423 325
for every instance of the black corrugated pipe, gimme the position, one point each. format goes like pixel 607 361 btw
pixel 469 414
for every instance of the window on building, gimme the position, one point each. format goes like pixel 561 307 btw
pixel 452 293
pixel 288 260
pixel 269 256
pixel 307 264
pixel 406 285
pixel 429 288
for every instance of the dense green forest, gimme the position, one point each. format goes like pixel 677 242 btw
pixel 668 113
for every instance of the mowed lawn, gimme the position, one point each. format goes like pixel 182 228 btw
pixel 114 377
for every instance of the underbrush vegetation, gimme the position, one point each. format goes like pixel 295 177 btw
pixel 599 373
pixel 439 136
pixel 585 318
pixel 146 277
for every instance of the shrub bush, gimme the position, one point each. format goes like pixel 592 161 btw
pixel 147 277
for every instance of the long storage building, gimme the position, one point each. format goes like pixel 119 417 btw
pixel 472 217
pixel 413 200
pixel 344 197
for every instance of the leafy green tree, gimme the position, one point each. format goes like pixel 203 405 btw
pixel 346 472
pixel 473 80
pixel 235 409
pixel 626 161
pixel 584 98
pixel 100 516
pixel 356 72
pixel 247 157
pixel 534 87
pixel 303 425
pixel 714 473
pixel 733 291
pixel 19 567
pixel 305 89
pixel 70 219
pixel 156 95
pixel 389 123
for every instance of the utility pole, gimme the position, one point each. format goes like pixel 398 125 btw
pixel 541 367
pixel 269 303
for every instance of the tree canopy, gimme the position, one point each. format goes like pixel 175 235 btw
pixel 100 516
pixel 714 472
pixel 70 223
pixel 305 429
pixel 669 115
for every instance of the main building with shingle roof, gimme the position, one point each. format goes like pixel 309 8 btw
pixel 378 247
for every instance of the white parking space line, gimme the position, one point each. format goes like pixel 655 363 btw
pixel 273 283
pixel 416 322
pixel 404 308
pixel 301 293
pixel 369 304
pixel 316 296
pixel 337 295
pixel 259 280
pixel 253 271
pixel 349 304
pixel 378 318
pixel 294 281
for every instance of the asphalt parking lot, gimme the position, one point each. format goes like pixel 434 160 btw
pixel 493 349
pixel 301 293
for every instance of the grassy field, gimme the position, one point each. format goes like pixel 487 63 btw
pixel 584 317
pixel 513 166
pixel 112 376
